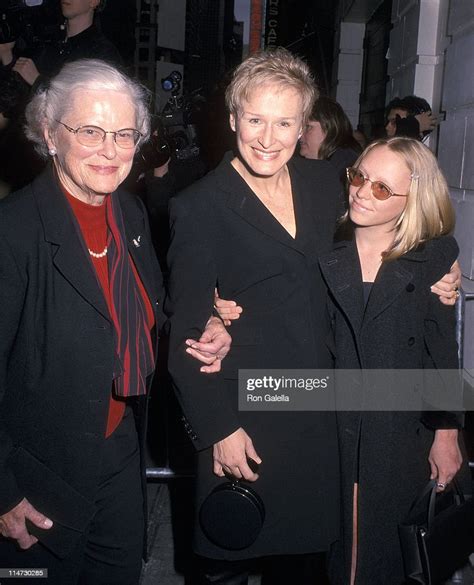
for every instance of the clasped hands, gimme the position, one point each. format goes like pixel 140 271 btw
pixel 212 347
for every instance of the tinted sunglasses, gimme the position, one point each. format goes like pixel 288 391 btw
pixel 380 190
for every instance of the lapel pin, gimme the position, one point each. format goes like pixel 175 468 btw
pixel 136 241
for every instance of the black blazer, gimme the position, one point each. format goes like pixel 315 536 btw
pixel 222 235
pixel 57 353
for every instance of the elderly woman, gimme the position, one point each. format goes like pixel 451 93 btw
pixel 254 227
pixel 80 309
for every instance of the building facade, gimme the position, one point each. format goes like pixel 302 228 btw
pixel 394 48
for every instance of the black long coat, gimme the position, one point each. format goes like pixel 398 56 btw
pixel 403 326
pixel 57 355
pixel 222 235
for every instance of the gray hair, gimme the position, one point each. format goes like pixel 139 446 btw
pixel 53 100
pixel 275 66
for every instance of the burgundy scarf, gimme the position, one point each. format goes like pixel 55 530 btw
pixel 133 345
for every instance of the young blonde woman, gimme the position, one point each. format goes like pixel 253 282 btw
pixel 384 316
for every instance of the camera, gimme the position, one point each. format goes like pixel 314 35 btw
pixel 177 120
pixel 34 22
pixel 173 131
pixel 156 152
pixel 172 82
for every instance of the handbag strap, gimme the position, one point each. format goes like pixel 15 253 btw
pixel 459 499
pixel 430 488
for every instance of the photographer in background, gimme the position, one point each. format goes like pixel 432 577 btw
pixel 158 174
pixel 171 160
pixel 410 116
pixel 19 162
pixel 33 53
pixel 83 40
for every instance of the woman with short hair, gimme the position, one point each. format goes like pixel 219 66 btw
pixel 254 227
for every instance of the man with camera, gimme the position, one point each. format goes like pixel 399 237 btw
pixel 410 116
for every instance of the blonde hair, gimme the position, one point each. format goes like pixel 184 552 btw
pixel 276 66
pixel 428 212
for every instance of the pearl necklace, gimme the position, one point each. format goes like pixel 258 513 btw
pixel 98 254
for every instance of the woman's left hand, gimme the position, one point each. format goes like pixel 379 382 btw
pixel 212 347
pixel 228 310
pixel 445 457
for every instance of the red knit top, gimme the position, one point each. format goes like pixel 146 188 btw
pixel 93 224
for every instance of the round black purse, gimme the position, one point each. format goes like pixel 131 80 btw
pixel 232 515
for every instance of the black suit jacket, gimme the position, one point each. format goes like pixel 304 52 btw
pixel 57 353
pixel 222 235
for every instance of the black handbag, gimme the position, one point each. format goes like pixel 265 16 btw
pixel 232 515
pixel 437 536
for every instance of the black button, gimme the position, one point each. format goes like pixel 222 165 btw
pixel 411 341
pixel 410 287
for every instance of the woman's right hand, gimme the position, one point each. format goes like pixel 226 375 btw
pixel 232 454
pixel 13 524
pixel 228 310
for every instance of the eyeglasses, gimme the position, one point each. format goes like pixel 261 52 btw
pixel 93 135
pixel 379 190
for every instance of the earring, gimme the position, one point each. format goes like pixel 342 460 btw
pixel 52 151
